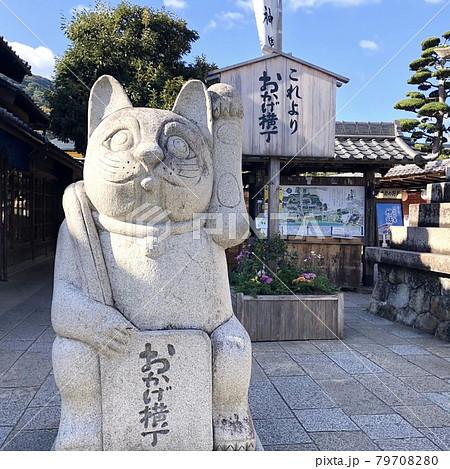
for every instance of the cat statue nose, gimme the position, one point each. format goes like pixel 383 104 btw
pixel 151 155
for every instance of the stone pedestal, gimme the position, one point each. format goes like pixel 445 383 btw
pixel 414 274
pixel 158 395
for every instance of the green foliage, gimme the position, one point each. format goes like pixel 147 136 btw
pixel 408 124
pixel 415 94
pixel 419 77
pixel 419 63
pixel 430 42
pixel 410 104
pixel 141 47
pixel 441 73
pixel 433 109
pixel 432 78
pixel 267 267
pixel 35 86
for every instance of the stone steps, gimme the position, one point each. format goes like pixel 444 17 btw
pixel 430 215
pixel 421 239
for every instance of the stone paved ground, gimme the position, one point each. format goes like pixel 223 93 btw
pixel 385 387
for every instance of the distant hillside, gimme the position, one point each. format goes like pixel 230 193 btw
pixel 35 87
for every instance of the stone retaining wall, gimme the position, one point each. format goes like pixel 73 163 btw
pixel 416 298
pixel 413 285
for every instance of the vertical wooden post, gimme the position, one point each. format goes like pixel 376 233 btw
pixel 274 189
pixel 371 228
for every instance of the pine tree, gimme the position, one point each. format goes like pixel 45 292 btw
pixel 432 78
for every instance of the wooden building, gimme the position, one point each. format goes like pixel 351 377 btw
pixel 33 173
pixel 291 140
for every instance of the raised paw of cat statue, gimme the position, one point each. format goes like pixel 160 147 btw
pixel 148 354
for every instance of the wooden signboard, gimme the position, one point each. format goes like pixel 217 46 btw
pixel 289 106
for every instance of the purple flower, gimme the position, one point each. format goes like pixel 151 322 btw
pixel 309 276
pixel 267 279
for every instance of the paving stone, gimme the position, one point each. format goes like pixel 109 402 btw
pixel 257 372
pixel 325 420
pixel 266 347
pixel 331 345
pixel 301 392
pixel 424 415
pixel 320 366
pixel 353 397
pixel 48 394
pixel 278 431
pixel 265 402
pixel 381 336
pixel 343 441
pixel 354 363
pixel 48 335
pixel 13 402
pixel 442 399
pixel 395 364
pixel 15 345
pixel 426 383
pixel 4 432
pixel 380 427
pixel 7 360
pixel 378 321
pixel 278 364
pixel 427 340
pixel 434 365
pixel 39 418
pixel 408 350
pixel 41 317
pixel 41 347
pixel 30 369
pixel 407 332
pixel 391 390
pixel 298 447
pixel 299 346
pixel 38 440
pixel 439 436
pixel 25 332
pixel 407 444
pixel 369 346
pixel 443 352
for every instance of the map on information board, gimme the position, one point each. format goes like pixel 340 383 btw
pixel 321 211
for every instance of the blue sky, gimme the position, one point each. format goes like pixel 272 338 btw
pixel 371 42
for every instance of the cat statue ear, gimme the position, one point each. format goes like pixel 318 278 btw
pixel 194 103
pixel 107 96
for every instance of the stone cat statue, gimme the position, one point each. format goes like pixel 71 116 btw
pixel 142 248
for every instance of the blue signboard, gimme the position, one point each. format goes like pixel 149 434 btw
pixel 388 214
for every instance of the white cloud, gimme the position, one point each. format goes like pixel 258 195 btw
pixel 296 4
pixel 41 59
pixel 434 1
pixel 211 25
pixel 230 18
pixel 175 4
pixel 369 45
pixel 246 5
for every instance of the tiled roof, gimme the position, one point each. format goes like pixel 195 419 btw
pixel 373 142
pixel 437 166
pixel 11 64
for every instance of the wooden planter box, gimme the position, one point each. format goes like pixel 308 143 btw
pixel 290 317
